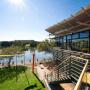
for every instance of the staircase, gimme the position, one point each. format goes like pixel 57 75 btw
pixel 71 68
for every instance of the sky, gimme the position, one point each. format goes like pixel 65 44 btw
pixel 28 19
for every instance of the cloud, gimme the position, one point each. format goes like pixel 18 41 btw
pixel 17 3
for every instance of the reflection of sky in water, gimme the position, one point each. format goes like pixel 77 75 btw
pixel 28 57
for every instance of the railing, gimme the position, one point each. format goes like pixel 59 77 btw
pixel 71 68
pixel 59 72
pixel 81 75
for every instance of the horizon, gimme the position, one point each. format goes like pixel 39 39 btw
pixel 28 19
pixel 20 40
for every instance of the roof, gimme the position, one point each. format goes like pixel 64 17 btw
pixel 78 21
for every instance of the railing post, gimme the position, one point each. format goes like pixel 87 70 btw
pixel 33 62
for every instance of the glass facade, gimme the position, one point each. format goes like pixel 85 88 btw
pixel 76 41
pixel 69 41
pixel 64 42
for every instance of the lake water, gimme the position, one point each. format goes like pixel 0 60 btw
pixel 27 57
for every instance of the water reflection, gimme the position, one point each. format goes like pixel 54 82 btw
pixel 27 57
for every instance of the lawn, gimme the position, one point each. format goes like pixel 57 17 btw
pixel 23 79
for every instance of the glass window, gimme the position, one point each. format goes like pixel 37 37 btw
pixel 84 34
pixel 57 39
pixel 81 45
pixel 64 38
pixel 61 40
pixel 76 44
pixel 75 35
pixel 84 45
pixel 68 36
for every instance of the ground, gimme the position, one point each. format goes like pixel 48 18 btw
pixel 23 79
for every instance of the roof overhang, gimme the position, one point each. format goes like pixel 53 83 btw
pixel 81 20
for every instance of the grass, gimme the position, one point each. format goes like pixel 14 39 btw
pixel 23 79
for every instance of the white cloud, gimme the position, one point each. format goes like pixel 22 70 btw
pixel 17 3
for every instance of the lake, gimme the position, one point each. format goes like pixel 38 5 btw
pixel 27 56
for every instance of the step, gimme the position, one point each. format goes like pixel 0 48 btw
pixel 74 74
pixel 79 61
pixel 76 69
pixel 76 79
pixel 77 65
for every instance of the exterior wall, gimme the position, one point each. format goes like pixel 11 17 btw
pixel 79 41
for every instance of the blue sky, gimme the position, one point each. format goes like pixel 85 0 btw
pixel 28 19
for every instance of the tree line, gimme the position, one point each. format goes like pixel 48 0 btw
pixel 21 43
pixel 9 47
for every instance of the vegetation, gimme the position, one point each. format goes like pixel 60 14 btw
pixel 45 45
pixel 20 78
pixel 19 43
pixel 19 46
pixel 12 50
pixel 26 44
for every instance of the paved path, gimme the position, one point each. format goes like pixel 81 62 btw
pixel 42 71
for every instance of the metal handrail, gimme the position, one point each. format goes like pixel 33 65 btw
pixel 51 73
pixel 81 75
pixel 82 72
pixel 60 64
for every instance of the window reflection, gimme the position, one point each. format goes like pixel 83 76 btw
pixel 76 41
pixel 75 35
pixel 76 45
pixel 68 36
pixel 64 41
pixel 84 45
pixel 84 34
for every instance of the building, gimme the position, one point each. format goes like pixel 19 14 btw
pixel 73 33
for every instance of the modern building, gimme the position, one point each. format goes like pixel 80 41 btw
pixel 73 33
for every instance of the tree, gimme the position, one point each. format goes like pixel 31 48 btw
pixel 45 45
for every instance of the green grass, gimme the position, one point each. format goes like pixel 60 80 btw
pixel 23 79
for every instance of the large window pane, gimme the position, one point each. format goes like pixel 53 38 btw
pixel 84 34
pixel 84 45
pixel 76 44
pixel 68 36
pixel 75 35
pixel 69 44
pixel 80 45
pixel 57 41
pixel 64 42
pixel 61 40
pixel 64 38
